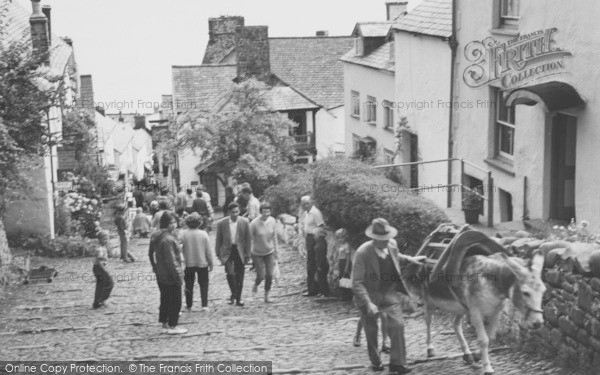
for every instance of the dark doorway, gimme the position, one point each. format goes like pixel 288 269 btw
pixel 562 177
pixel 414 157
pixel 506 205
pixel 209 180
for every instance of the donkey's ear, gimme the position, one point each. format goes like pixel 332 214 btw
pixel 536 263
pixel 514 266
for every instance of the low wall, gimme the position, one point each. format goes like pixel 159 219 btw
pixel 572 317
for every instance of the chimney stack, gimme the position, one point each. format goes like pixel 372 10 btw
pixel 86 93
pixel 252 49
pixel 39 32
pixel 221 37
pixel 395 9
pixel 322 33
pixel 47 10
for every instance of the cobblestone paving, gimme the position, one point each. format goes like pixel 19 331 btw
pixel 55 321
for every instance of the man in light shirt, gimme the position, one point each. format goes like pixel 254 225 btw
pixel 312 219
pixel 253 205
pixel 202 193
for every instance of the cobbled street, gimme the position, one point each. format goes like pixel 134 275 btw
pixel 55 321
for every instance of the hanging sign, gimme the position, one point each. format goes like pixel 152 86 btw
pixel 516 62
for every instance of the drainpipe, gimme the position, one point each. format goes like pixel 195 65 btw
pixel 453 47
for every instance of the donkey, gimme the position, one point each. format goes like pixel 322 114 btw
pixel 484 286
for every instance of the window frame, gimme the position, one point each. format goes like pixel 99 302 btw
pixel 371 110
pixel 501 125
pixel 388 156
pixel 509 20
pixel 355 104
pixel 388 115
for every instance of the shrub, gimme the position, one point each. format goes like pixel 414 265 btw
pixel 63 246
pixel 285 196
pixel 351 194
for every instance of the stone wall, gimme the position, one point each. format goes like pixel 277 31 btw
pixel 572 316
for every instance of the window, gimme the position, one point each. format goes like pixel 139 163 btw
pixel 355 143
pixel 388 115
pixel 359 45
pixel 371 109
pixel 509 13
pixel 505 127
pixel 388 156
pixel 355 104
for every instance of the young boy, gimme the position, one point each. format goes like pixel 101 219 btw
pixel 104 282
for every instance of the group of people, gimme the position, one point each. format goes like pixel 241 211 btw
pixel 377 284
pixel 248 232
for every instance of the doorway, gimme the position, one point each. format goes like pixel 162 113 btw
pixel 414 157
pixel 562 172
pixel 209 180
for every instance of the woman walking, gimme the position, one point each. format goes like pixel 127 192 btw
pixel 264 248
pixel 198 256
pixel 166 262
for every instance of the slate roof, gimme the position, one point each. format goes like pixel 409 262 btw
pixel 372 29
pixel 311 65
pixel 16 19
pixel 200 87
pixel 282 98
pixel 378 59
pixel 431 17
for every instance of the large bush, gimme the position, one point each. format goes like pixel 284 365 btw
pixel 59 247
pixel 285 196
pixel 351 194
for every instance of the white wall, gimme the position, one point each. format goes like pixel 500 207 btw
pixel 330 131
pixel 368 82
pixel 423 97
pixel 577 33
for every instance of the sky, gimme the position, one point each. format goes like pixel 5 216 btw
pixel 129 46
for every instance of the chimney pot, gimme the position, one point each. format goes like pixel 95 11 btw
pixel 322 33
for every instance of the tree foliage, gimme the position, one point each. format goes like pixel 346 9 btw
pixel 244 137
pixel 26 94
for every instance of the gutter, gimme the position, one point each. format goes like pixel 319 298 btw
pixel 453 47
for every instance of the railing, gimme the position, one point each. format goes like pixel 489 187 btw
pixel 490 182
pixel 304 141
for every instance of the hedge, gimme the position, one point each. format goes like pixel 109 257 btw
pixel 285 196
pixel 351 194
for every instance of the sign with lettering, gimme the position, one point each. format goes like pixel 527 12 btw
pixel 64 186
pixel 516 62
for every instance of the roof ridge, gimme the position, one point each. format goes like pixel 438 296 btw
pixel 311 37
pixel 202 66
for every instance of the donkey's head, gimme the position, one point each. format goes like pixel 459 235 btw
pixel 529 288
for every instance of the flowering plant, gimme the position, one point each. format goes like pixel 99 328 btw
pixel 85 213
pixel 574 232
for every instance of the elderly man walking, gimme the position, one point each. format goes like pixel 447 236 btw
pixel 312 219
pixel 376 283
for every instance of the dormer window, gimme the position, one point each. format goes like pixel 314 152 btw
pixel 359 44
